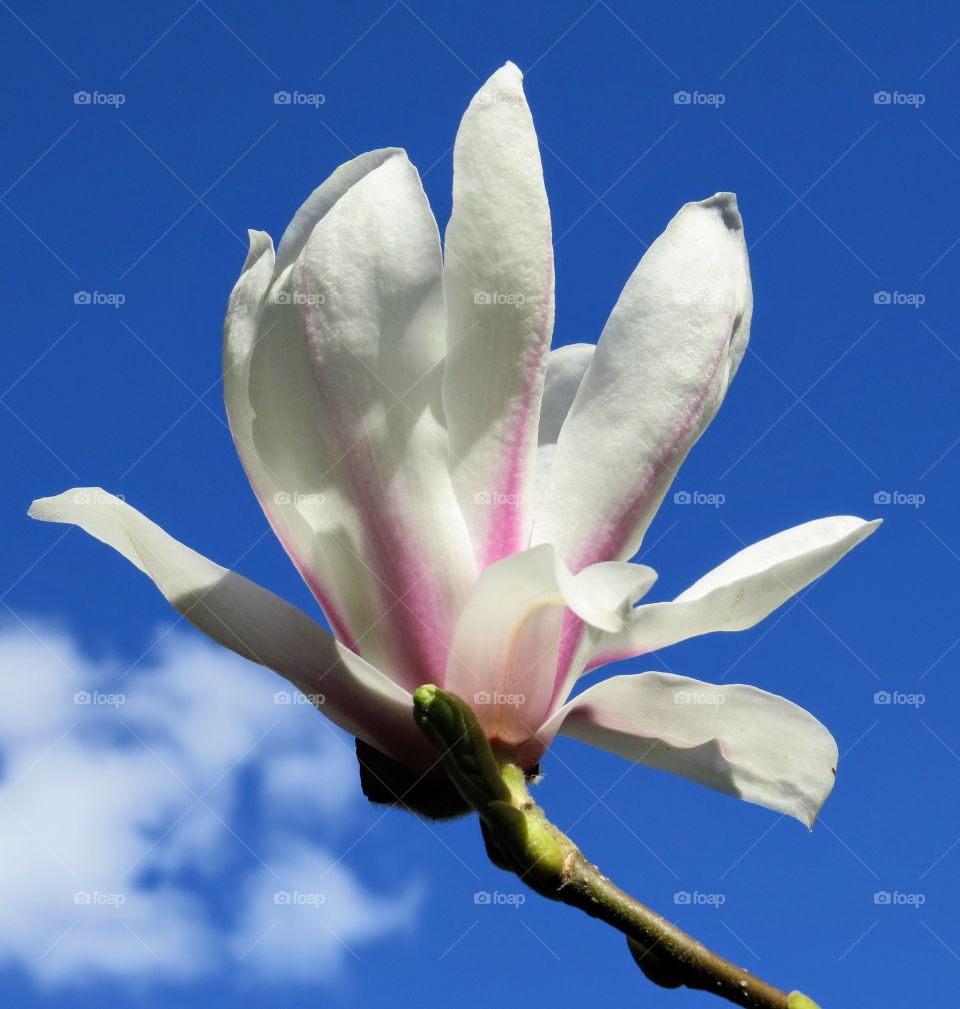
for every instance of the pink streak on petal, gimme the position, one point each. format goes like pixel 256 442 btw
pixel 605 658
pixel 337 623
pixel 610 543
pixel 570 635
pixel 417 616
pixel 505 533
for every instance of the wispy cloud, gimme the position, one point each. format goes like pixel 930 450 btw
pixel 175 822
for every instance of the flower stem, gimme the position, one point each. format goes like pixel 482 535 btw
pixel 520 839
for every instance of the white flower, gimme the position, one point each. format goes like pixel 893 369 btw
pixel 462 501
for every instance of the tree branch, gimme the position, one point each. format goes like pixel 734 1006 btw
pixel 520 839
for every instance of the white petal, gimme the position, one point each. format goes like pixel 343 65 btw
pixel 504 653
pixel 322 199
pixel 332 384
pixel 734 738
pixel 566 367
pixel 741 591
pixel 661 370
pixel 498 279
pixel 250 621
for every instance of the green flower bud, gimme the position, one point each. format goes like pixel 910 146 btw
pixel 450 724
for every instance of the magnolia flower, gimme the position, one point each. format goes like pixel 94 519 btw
pixel 464 502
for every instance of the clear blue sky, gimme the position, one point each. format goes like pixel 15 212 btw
pixel 845 394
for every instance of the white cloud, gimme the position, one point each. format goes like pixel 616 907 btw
pixel 280 921
pixel 124 798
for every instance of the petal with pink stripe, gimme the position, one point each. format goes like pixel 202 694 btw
pixel 504 651
pixel 498 280
pixel 332 382
pixel 660 372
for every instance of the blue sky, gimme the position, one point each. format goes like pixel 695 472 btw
pixel 201 795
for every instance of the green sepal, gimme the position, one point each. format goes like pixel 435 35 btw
pixel 497 854
pixel 452 727
pixel 531 840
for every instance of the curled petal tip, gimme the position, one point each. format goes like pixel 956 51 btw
pixel 726 204
pixel 396 152
pixel 510 69
pixel 259 243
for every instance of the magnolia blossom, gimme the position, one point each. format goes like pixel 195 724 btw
pixel 464 501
